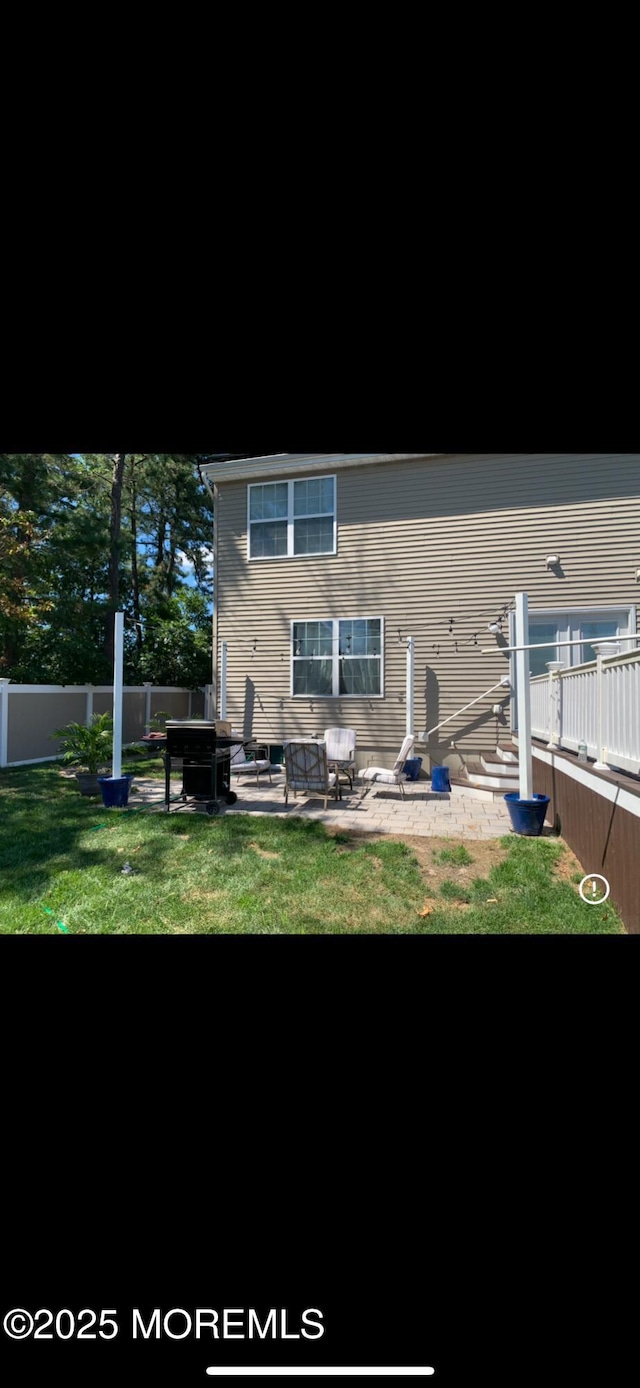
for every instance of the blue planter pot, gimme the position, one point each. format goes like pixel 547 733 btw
pixel 412 768
pixel 115 791
pixel 440 779
pixel 527 816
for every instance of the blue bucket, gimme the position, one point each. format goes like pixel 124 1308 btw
pixel 440 779
pixel 527 816
pixel 115 791
pixel 412 768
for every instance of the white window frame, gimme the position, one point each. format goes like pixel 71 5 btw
pixel 336 657
pixel 290 483
pixel 569 629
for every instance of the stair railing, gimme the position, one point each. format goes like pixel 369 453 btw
pixel 424 737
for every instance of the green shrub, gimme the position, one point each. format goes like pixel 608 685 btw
pixel 87 746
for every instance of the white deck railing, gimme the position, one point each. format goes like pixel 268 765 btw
pixel 598 704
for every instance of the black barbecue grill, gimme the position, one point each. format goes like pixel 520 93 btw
pixel 206 762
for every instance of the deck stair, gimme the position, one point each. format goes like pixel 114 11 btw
pixel 494 766
pixel 491 777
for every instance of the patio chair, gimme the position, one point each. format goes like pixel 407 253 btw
pixel 392 777
pixel 240 766
pixel 306 768
pixel 341 751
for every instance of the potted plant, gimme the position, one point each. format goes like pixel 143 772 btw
pixel 89 747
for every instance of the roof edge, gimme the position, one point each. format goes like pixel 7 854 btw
pixel 283 464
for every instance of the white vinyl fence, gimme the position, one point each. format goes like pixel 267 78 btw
pixel 598 704
pixel 30 713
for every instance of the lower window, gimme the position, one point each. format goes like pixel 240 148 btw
pixel 337 658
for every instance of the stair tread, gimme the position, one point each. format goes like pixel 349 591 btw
pixel 486 776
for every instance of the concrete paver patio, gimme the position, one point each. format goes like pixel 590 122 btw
pixel 382 811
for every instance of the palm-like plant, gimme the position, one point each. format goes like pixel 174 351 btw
pixel 87 746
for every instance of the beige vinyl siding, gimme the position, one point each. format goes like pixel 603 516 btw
pixel 420 541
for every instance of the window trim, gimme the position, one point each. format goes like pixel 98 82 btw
pixel 599 610
pixel 573 624
pixel 336 658
pixel 289 482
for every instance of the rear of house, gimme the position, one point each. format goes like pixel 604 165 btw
pixel 325 564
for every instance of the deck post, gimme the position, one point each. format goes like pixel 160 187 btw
pixel 601 650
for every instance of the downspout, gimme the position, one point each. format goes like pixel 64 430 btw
pixel 411 656
pixel 214 493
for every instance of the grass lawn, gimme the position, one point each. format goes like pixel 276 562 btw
pixel 61 860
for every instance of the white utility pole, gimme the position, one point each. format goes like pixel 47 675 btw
pixel 523 686
pixel 118 666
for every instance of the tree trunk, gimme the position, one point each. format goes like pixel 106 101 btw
pixel 114 552
pixel 162 531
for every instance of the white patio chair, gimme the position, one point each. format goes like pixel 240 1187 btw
pixel 341 751
pixel 306 768
pixel 380 776
pixel 240 766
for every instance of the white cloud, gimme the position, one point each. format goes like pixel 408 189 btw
pixel 187 563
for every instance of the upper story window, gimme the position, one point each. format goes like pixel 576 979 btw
pixel 292 518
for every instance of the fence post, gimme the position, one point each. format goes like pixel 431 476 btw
pixel 88 715
pixel 4 720
pixel 147 707
pixel 555 703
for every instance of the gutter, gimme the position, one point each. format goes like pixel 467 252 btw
pixel 213 491
pixel 295 464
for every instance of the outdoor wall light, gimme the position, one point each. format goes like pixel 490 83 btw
pixel 495 628
pixel 552 561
